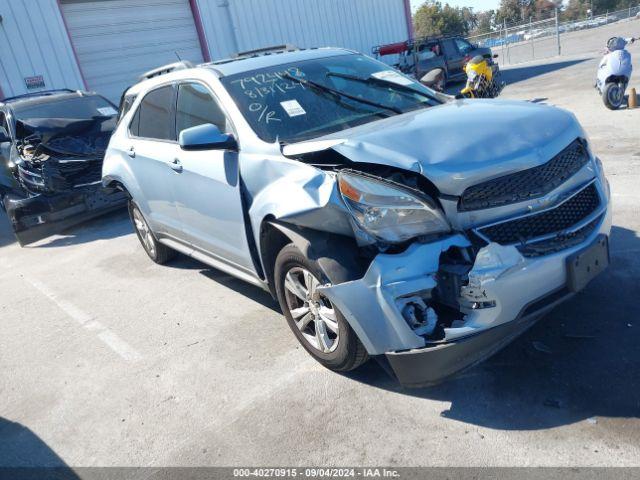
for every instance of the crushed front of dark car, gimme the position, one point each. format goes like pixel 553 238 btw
pixel 52 168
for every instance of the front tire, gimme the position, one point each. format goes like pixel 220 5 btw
pixel 157 252
pixel 613 95
pixel 319 327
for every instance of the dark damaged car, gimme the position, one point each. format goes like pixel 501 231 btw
pixel 52 145
pixel 388 220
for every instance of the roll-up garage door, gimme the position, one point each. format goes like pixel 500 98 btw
pixel 117 40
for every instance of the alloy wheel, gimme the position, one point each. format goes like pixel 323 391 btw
pixel 312 313
pixel 145 233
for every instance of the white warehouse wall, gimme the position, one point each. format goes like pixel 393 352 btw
pixel 236 25
pixel 34 41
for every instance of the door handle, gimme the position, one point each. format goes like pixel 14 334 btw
pixel 131 152
pixel 176 166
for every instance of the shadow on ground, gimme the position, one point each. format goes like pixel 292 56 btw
pixel 110 225
pixel 580 361
pixel 519 74
pixel 20 448
pixel 239 286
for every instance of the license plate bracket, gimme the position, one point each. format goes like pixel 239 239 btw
pixel 588 263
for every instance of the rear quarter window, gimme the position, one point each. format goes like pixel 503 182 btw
pixel 125 105
pixel 155 116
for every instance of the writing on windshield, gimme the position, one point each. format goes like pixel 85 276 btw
pixel 295 102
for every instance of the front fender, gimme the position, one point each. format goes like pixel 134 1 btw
pixel 292 192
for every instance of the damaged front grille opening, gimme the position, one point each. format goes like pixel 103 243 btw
pixel 60 154
pixel 46 169
pixel 430 312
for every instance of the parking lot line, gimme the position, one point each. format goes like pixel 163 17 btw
pixel 85 320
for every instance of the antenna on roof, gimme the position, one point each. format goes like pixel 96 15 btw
pixel 176 52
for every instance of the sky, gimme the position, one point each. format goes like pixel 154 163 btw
pixel 477 5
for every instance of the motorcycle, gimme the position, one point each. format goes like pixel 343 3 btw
pixel 614 72
pixel 483 79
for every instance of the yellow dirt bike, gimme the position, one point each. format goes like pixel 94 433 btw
pixel 483 79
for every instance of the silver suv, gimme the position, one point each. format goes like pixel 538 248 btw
pixel 388 220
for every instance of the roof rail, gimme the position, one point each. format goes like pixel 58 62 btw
pixel 266 50
pixel 43 93
pixel 171 67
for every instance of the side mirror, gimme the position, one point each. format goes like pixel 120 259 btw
pixel 4 135
pixel 495 55
pixel 206 137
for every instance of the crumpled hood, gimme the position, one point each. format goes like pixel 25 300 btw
pixel 461 143
pixel 68 136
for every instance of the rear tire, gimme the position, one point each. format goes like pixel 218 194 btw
pixel 613 96
pixel 157 252
pixel 319 327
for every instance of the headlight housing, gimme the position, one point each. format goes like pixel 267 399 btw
pixel 389 212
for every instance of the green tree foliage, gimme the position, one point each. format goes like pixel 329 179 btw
pixel 433 18
pixel 484 22
pixel 518 11
pixel 576 9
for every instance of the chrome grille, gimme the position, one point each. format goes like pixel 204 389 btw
pixel 560 241
pixel 558 222
pixel 527 184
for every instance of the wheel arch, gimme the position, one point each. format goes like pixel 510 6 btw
pixel 113 183
pixel 338 255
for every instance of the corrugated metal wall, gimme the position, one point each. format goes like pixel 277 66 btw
pixel 117 40
pixel 235 25
pixel 34 41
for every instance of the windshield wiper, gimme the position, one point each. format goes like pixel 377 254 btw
pixel 381 81
pixel 318 86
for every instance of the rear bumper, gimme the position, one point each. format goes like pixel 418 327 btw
pixel 36 217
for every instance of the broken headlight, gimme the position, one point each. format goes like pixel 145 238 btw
pixel 387 211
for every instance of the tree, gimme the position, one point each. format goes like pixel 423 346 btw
pixel 513 11
pixel 432 18
pixel 484 22
pixel 519 11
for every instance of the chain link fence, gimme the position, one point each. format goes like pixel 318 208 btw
pixel 532 40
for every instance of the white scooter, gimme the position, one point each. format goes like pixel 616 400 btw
pixel 614 72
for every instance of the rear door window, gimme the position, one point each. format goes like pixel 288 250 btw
pixel 155 115
pixel 450 49
pixel 3 123
pixel 125 105
pixel 463 46
pixel 196 106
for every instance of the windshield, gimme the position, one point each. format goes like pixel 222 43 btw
pixel 73 107
pixel 303 100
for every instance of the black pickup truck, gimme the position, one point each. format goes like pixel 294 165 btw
pixel 419 56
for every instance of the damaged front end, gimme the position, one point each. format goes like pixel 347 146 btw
pixel 443 292
pixel 57 166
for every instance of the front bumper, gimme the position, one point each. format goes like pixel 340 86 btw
pixel 430 365
pixel 34 217
pixel 519 292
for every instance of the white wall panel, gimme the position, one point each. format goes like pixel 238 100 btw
pixel 34 41
pixel 355 24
